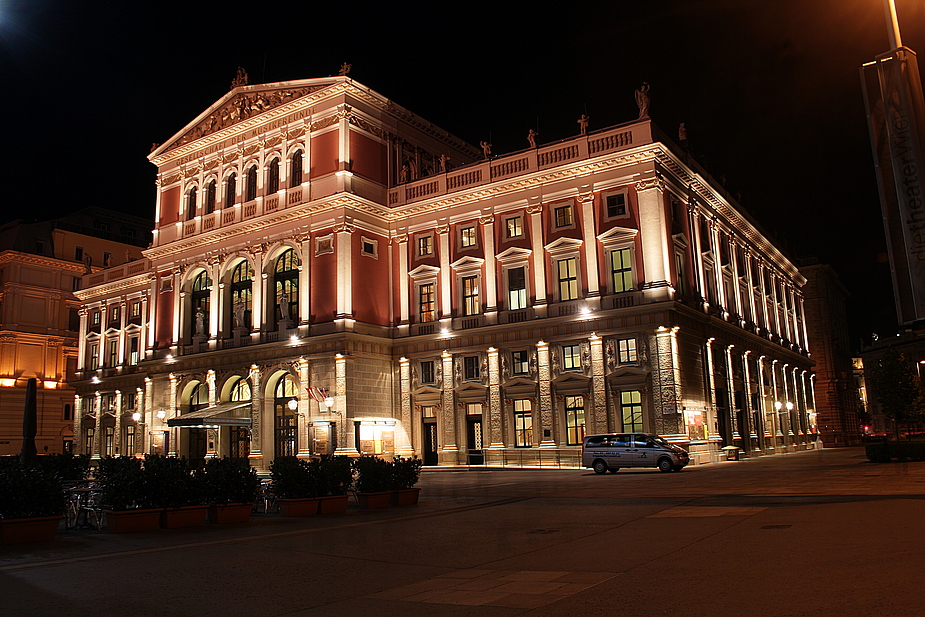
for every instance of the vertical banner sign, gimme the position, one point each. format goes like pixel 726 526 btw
pixel 896 118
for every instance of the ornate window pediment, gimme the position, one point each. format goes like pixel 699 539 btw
pixel 514 254
pixel 563 245
pixel 424 271
pixel 617 234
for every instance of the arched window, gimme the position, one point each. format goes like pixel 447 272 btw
pixel 295 169
pixel 273 176
pixel 251 184
pixel 287 286
pixel 191 203
pixel 241 281
pixel 240 391
pixel 199 304
pixel 199 397
pixel 210 197
pixel 231 189
pixel 286 403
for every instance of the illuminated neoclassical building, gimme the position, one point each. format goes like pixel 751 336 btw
pixel 314 239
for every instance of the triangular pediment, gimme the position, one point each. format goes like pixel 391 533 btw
pixel 467 263
pixel 618 234
pixel 570 378
pixel 471 389
pixel 515 253
pixel 424 271
pixel 242 103
pixel 563 244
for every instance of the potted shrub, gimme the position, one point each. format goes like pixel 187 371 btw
pixel 172 486
pixel 31 504
pixel 125 496
pixel 405 474
pixel 296 486
pixel 336 478
pixel 374 480
pixel 230 487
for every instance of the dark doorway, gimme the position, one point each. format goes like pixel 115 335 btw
pixel 239 442
pixel 197 447
pixel 474 452
pixel 430 442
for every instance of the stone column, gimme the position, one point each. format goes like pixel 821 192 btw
pixel 586 199
pixel 304 441
pixel 216 297
pixel 712 421
pixel 495 409
pixel 665 373
pixel 256 452
pixel 82 341
pixel 538 260
pixel 407 445
pixel 404 282
pixel 98 430
pixel 258 285
pixel 656 243
pixel 732 416
pixel 305 246
pixel 544 379
pixel 344 247
pixel 79 446
pixel 173 412
pixel 141 408
pixel 345 431
pixel 598 386
pixel 448 451
pixel 446 283
pixel 697 244
pixel 117 430
pixel 747 411
pixel 490 308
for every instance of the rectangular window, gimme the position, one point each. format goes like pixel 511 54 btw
pixel 67 412
pixel 571 357
pixel 631 410
pixel 369 247
pixel 75 283
pixel 517 288
pixel 679 272
pixel 136 309
pixel 88 441
pixel 93 360
pixel 616 205
pixel 575 419
pixel 427 372
pixel 568 278
pixel 515 227
pixel 130 439
pixel 79 253
pixel 471 367
pixel 133 350
pixel 113 355
pixel 428 411
pixel 626 349
pixel 128 400
pixel 621 270
pixel 427 302
pixel 563 216
pixel 521 362
pixel 467 237
pixel 473 409
pixel 425 246
pixel 470 295
pixel 109 439
pixel 114 314
pixel 523 423
pixel 95 318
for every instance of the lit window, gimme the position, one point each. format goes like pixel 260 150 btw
pixel 429 411
pixel 626 349
pixel 425 245
pixel 470 295
pixel 523 423
pixel 520 362
pixel 136 309
pixel 575 419
pixel 251 184
pixel 616 205
pixel 427 303
pixel 94 357
pixel 191 196
pixel 515 227
pixel 231 188
pixel 210 197
pixel 517 288
pixel 631 410
pixel 467 237
pixel 473 409
pixel 295 169
pixel 571 357
pixel 621 270
pixel 568 278
pixel 563 216
pixel 133 350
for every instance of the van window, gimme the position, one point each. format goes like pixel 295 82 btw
pixel 643 441
pixel 623 441
pixel 596 440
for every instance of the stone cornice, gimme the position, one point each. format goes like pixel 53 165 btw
pixel 116 287
pixel 9 256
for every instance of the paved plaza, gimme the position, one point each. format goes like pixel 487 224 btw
pixel 820 532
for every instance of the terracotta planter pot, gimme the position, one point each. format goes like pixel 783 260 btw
pixel 130 521
pixel 333 504
pixel 186 516
pixel 406 497
pixel 221 513
pixel 382 499
pixel 22 530
pixel 307 506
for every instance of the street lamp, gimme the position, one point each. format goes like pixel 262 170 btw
pixel 329 403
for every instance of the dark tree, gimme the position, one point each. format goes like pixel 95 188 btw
pixel 898 389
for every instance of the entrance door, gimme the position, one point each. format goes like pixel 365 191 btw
pixel 239 442
pixel 474 444
pixel 197 447
pixel 430 442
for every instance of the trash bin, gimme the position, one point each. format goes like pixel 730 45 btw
pixel 732 453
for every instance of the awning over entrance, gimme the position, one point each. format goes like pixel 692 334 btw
pixel 223 414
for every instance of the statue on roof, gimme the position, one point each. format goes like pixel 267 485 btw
pixel 344 69
pixel 486 149
pixel 444 159
pixel 240 79
pixel 642 100
pixel 583 124
pixel 531 137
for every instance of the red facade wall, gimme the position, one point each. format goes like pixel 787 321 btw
pixel 170 206
pixel 323 290
pixel 371 285
pixel 324 154
pixel 368 158
pixel 164 324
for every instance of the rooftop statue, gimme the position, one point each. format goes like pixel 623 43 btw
pixel 642 100
pixel 583 124
pixel 240 79
pixel 344 69
pixel 486 149
pixel 531 137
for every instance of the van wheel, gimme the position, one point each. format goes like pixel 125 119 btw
pixel 599 466
pixel 613 469
pixel 665 465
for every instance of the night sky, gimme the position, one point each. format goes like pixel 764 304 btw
pixel 769 91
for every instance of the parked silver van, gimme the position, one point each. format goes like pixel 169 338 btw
pixel 610 452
